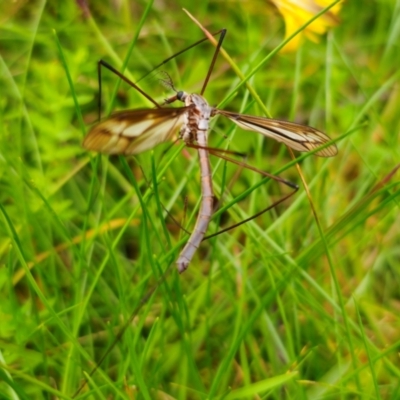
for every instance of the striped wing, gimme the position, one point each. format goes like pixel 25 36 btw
pixel 134 131
pixel 298 137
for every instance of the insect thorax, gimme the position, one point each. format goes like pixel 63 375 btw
pixel 196 119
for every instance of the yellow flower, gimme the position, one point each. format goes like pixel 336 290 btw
pixel 297 12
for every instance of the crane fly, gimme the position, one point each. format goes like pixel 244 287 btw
pixel 134 131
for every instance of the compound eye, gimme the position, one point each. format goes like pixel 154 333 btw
pixel 180 95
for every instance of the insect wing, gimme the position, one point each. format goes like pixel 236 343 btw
pixel 134 131
pixel 298 137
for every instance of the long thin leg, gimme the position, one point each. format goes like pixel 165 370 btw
pixel 215 152
pixel 270 207
pixel 222 32
pixel 266 174
pixel 221 39
pixel 102 63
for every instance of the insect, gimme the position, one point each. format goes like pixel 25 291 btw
pixel 134 131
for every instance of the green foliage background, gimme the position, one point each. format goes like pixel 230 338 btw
pixel 275 309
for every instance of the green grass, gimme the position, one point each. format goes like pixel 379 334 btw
pixel 275 309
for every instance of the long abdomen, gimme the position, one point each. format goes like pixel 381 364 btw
pixel 206 206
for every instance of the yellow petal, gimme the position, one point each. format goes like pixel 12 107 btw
pixel 297 12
